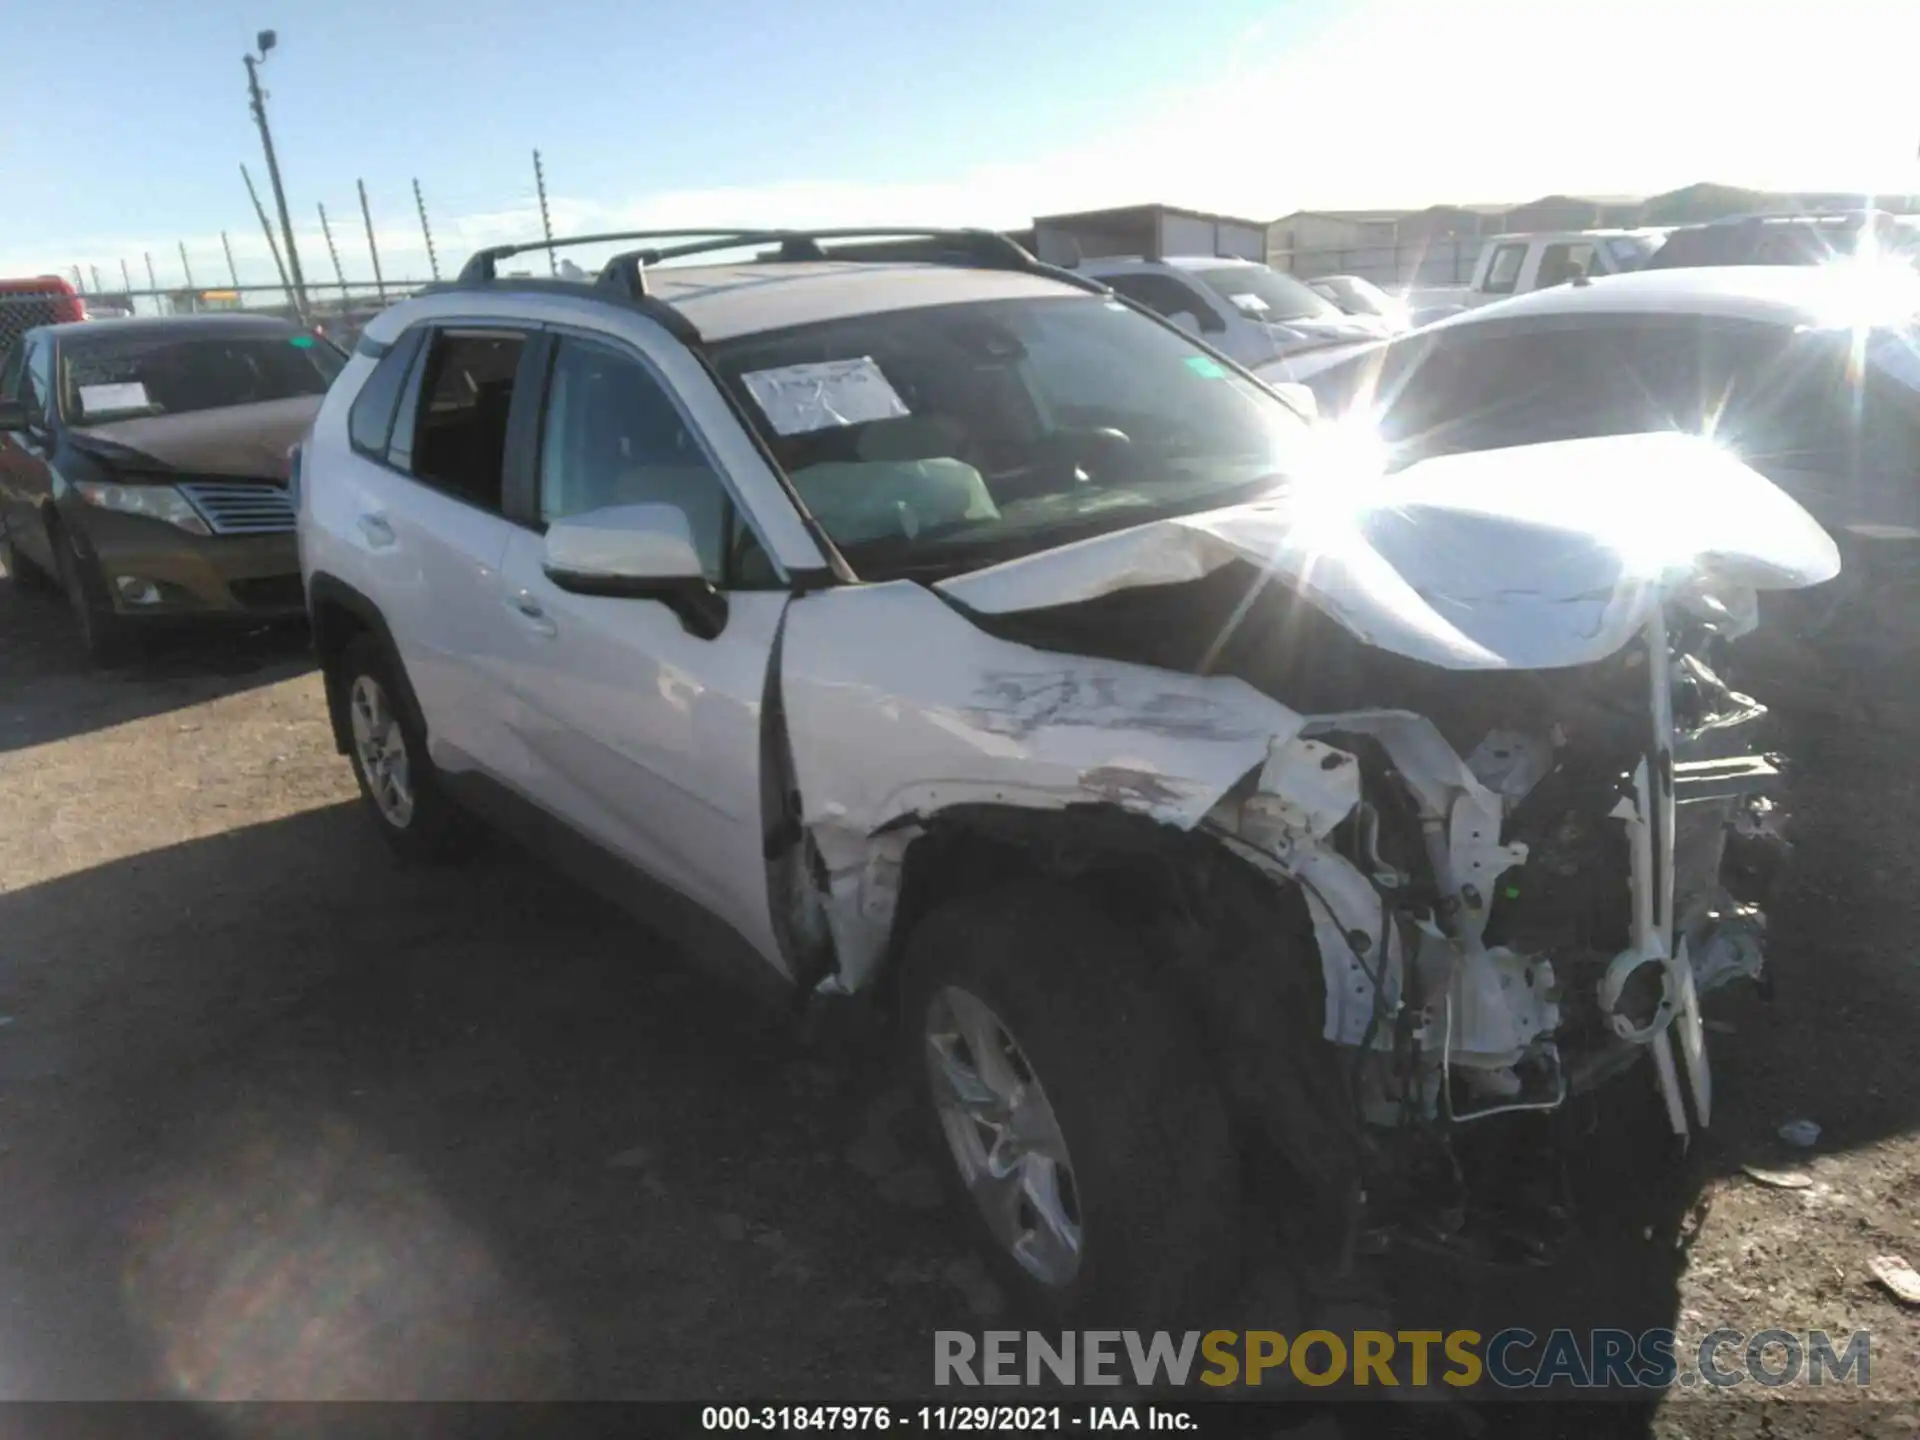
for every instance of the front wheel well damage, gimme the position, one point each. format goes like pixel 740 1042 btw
pixel 1232 949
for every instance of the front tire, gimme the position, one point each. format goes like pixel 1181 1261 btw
pixel 1086 1143
pixel 389 753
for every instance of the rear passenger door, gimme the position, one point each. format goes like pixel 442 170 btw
pixel 433 533
pixel 620 720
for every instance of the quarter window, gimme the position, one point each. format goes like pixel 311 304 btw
pixel 370 421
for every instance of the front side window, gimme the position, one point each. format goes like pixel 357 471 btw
pixel 613 436
pixel 1266 295
pixel 120 377
pixel 1560 262
pixel 451 432
pixel 943 438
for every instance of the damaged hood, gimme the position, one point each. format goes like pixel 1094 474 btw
pixel 250 441
pixel 1534 557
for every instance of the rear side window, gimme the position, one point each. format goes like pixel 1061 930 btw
pixel 370 421
pixel 38 384
pixel 452 434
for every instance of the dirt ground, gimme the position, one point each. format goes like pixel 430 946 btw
pixel 279 1117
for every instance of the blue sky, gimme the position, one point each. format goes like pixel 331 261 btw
pixel 865 110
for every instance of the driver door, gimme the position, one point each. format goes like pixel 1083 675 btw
pixel 620 720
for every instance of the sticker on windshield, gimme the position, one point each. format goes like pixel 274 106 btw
pixel 300 342
pixel 1207 367
pixel 1247 301
pixel 801 398
pixel 99 399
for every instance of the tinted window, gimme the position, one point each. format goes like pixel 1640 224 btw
pixel 1560 263
pixel 1164 295
pixel 130 375
pixel 1504 273
pixel 457 428
pixel 370 421
pixel 613 436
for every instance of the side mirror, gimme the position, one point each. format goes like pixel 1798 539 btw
pixel 1299 397
pixel 636 552
pixel 13 415
pixel 1186 320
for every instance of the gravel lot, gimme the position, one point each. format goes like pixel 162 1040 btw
pixel 280 1118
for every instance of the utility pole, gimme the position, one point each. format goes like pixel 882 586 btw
pixel 127 280
pixel 79 280
pixel 546 224
pixel 184 266
pixel 338 273
pixel 267 229
pixel 94 270
pixel 153 281
pixel 433 261
pixel 233 271
pixel 373 246
pixel 266 40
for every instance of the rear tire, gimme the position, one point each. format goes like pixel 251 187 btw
pixel 388 751
pixel 1105 1188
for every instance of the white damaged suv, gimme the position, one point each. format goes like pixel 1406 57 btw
pixel 930 631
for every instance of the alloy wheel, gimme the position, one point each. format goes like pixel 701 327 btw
pixel 380 746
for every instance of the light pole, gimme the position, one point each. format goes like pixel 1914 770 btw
pixel 266 40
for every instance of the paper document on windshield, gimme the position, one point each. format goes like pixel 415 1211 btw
pixel 801 398
pixel 127 395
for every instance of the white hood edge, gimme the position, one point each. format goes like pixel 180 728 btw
pixel 1534 557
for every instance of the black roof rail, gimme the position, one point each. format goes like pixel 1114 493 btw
pixel 480 266
pixel 989 249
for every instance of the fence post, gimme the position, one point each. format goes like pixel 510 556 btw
pixel 267 230
pixel 433 260
pixel 338 273
pixel 373 246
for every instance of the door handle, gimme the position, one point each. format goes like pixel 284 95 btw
pixel 379 534
pixel 532 616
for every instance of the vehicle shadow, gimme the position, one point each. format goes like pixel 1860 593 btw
pixel 49 690
pixel 286 1119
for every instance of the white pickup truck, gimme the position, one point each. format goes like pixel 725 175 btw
pixel 1515 264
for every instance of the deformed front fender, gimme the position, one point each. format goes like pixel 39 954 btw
pixel 898 707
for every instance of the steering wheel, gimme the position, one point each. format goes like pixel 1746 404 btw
pixel 1066 458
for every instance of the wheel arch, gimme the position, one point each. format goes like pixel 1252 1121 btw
pixel 338 614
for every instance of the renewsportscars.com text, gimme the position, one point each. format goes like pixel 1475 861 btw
pixel 1510 1359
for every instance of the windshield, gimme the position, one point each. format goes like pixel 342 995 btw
pixel 943 438
pixel 1630 252
pixel 118 379
pixel 1263 294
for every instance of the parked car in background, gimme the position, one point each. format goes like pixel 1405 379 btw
pixel 144 467
pixel 956 646
pixel 1810 374
pixel 1356 295
pixel 1516 264
pixel 1789 239
pixel 1244 309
